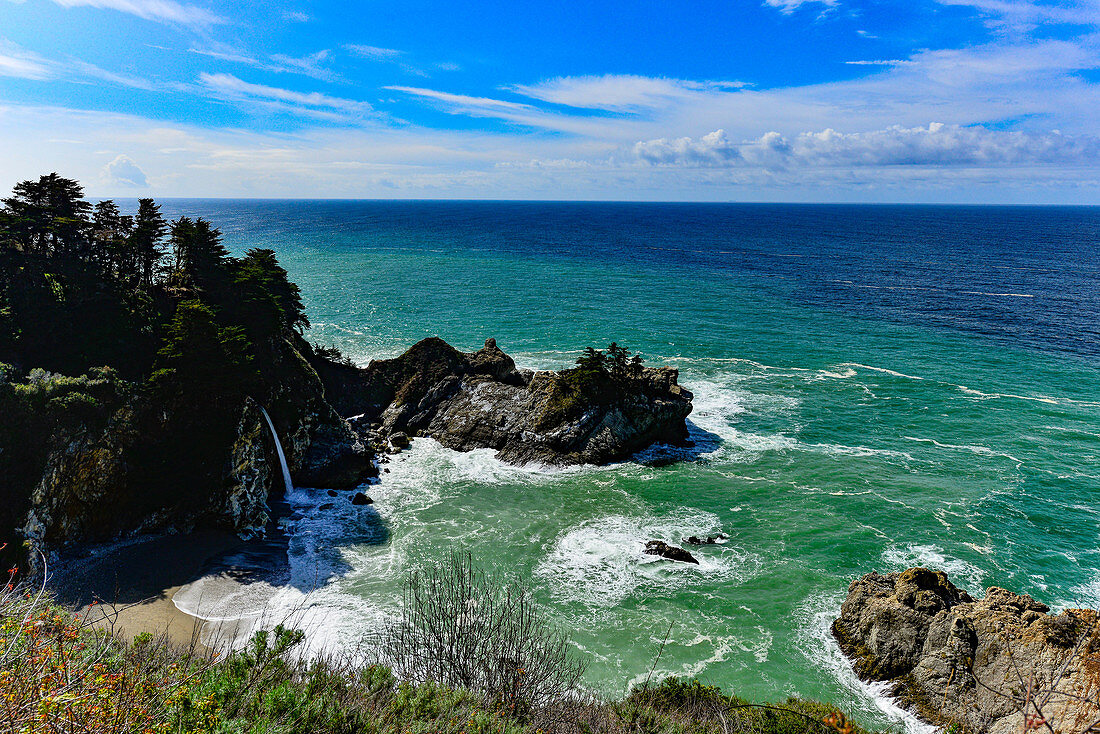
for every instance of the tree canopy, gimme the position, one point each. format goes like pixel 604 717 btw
pixel 616 362
pixel 82 285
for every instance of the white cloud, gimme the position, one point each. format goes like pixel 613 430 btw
pixel 475 106
pixel 164 11
pixel 125 80
pixel 230 87
pixel 310 65
pixel 375 159
pixel 993 83
pixel 399 58
pixel 230 55
pixel 617 93
pixel 933 145
pixel 880 62
pixel 1026 15
pixel 296 16
pixel 123 171
pixel 17 62
pixel 712 149
pixel 625 136
pixel 374 53
pixel 789 6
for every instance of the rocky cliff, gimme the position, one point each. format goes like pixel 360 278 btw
pixel 970 664
pixel 480 400
pixel 96 458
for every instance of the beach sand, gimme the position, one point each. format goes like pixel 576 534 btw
pixel 129 589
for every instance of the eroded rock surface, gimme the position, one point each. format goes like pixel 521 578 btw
pixel 957 661
pixel 480 400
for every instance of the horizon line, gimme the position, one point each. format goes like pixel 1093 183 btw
pixel 349 199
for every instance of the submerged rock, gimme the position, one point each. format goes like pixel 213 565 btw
pixel 480 400
pixel 709 540
pixel 671 552
pixel 361 499
pixel 957 661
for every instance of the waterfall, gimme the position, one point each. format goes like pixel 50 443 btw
pixel 279 448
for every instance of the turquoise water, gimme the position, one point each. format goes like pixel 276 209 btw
pixel 875 387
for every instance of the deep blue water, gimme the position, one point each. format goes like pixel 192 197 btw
pixel 1022 276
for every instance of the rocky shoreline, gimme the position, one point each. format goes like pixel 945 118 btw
pixel 335 423
pixel 995 665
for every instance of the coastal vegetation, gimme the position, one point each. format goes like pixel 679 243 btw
pixel 83 286
pixel 615 362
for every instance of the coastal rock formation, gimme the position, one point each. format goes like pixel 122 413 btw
pixel 957 661
pixel 480 400
pixel 93 459
pixel 671 552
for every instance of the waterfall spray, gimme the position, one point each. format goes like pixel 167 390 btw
pixel 279 448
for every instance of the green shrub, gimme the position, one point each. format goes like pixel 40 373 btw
pixel 463 628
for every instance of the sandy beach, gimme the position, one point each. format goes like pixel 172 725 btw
pixel 129 589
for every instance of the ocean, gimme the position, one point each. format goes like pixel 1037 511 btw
pixel 875 387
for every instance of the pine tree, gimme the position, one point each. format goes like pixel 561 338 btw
pixel 201 260
pixel 592 360
pixel 617 359
pixel 202 355
pixel 110 232
pixel 47 217
pixel 268 301
pixel 147 241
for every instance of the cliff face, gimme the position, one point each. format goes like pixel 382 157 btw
pixel 967 663
pixel 480 400
pixel 321 448
pixel 96 458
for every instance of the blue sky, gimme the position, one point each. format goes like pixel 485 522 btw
pixel 743 100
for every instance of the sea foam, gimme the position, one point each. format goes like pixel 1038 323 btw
pixel 602 561
pixel 815 640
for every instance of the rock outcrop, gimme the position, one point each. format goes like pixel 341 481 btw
pixel 965 663
pixel 249 479
pixel 669 552
pixel 480 400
